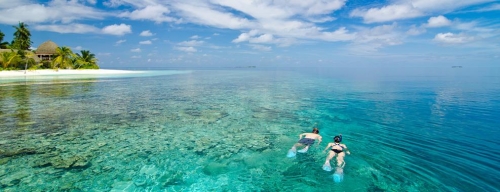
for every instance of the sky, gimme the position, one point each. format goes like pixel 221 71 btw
pixel 237 33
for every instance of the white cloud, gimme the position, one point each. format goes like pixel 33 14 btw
pixel 195 37
pixel 146 33
pixel 387 13
pixel 157 13
pixel 11 12
pixel 242 38
pixel 93 2
pixel 279 22
pixel 83 29
pixel 70 28
pixel 450 38
pixel 136 50
pixel 216 34
pixel 442 5
pixel 135 57
pixel 204 15
pixel 186 49
pixel 370 40
pixel 78 48
pixel 493 7
pixel 119 30
pixel 263 10
pixel 11 4
pixel 414 30
pixel 191 43
pixel 265 38
pixel 261 47
pixel 382 34
pixel 253 37
pixel 439 21
pixel 405 9
pixel 120 41
pixel 148 42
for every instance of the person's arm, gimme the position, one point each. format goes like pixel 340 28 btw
pixel 327 146
pixel 319 140
pixel 347 150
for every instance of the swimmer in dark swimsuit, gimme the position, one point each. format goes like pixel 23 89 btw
pixel 307 141
pixel 336 149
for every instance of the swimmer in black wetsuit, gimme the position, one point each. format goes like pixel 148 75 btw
pixel 336 149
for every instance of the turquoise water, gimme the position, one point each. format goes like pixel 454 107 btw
pixel 413 129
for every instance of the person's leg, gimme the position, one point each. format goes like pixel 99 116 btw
pixel 293 151
pixel 294 148
pixel 327 166
pixel 304 149
pixel 338 176
pixel 331 154
pixel 340 160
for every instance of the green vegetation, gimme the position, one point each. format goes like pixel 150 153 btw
pixel 18 56
pixel 9 58
pixel 63 58
pixel 3 45
pixel 87 60
pixel 22 37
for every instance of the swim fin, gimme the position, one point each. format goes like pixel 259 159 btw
pixel 327 168
pixel 302 150
pixel 338 177
pixel 291 153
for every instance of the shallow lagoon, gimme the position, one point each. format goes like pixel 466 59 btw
pixel 229 130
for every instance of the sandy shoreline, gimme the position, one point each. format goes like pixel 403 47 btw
pixel 42 72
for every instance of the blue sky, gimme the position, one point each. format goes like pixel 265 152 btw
pixel 206 33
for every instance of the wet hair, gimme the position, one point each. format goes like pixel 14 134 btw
pixel 315 130
pixel 337 139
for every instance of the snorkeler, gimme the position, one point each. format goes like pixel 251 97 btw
pixel 308 140
pixel 336 149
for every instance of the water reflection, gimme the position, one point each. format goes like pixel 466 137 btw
pixel 18 101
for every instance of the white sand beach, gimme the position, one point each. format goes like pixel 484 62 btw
pixel 42 72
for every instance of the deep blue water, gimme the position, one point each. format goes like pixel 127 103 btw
pixel 408 129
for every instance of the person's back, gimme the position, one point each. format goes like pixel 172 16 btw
pixel 306 139
pixel 314 136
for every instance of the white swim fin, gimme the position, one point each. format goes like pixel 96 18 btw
pixel 291 154
pixel 338 177
pixel 327 168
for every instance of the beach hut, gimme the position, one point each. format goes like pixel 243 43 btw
pixel 46 50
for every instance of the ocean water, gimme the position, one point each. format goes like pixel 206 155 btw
pixel 408 129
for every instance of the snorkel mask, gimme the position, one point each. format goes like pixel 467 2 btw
pixel 338 138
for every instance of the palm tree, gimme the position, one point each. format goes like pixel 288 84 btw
pixel 87 60
pixel 8 58
pixel 27 58
pixel 63 59
pixel 22 37
pixel 3 45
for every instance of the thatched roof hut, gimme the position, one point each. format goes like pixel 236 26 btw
pixel 46 50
